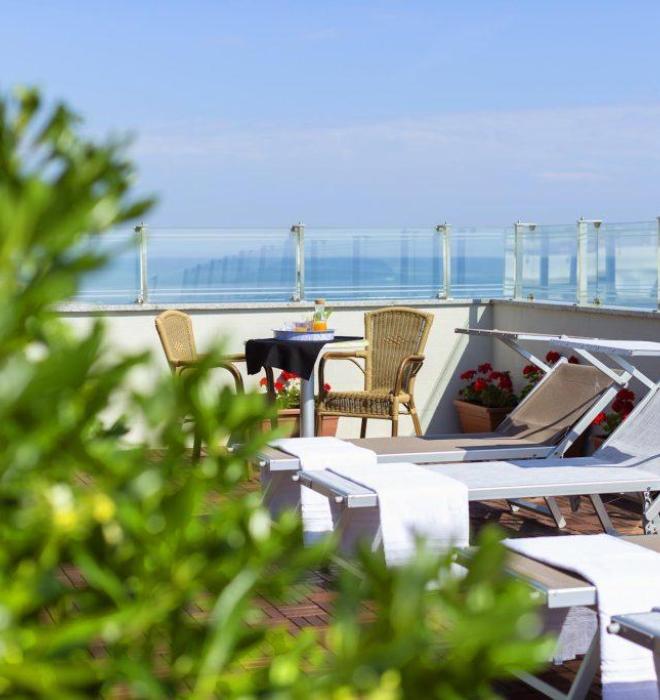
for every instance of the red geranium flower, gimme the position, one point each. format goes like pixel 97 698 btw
pixel 326 387
pixel 279 386
pixel 625 395
pixel 485 368
pixel 263 382
pixel 469 375
pixel 625 409
pixel 530 369
pixel 505 381
pixel 574 360
pixel 479 385
pixel 553 357
pixel 600 418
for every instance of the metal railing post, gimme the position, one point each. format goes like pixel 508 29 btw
pixel 582 262
pixel 582 287
pixel 445 231
pixel 143 294
pixel 298 230
pixel 518 231
pixel 657 220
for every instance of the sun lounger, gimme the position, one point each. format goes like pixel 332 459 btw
pixel 542 426
pixel 627 463
pixel 559 590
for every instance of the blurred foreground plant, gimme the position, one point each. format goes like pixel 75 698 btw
pixel 126 572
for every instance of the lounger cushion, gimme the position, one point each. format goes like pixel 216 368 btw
pixel 557 404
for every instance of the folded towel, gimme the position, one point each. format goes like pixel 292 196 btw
pixel 627 579
pixel 319 454
pixel 412 502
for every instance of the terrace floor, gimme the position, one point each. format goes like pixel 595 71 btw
pixel 312 606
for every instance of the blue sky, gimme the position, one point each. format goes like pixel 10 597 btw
pixel 368 113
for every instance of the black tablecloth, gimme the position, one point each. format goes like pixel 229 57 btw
pixel 297 356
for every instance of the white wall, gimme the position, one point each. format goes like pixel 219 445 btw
pixel 446 352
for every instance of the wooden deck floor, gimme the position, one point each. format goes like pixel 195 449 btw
pixel 313 600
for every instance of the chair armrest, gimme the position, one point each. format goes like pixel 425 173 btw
pixel 350 355
pixel 237 357
pixel 226 362
pixel 407 372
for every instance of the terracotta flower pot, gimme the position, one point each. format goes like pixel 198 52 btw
pixel 289 420
pixel 328 426
pixel 479 419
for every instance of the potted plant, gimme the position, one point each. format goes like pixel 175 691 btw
pixel 607 422
pixel 287 400
pixel 485 400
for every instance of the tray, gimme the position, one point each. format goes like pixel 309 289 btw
pixel 307 336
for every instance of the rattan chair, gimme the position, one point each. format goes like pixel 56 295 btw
pixel 176 335
pixel 396 337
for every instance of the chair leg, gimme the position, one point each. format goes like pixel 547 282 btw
pixel 363 428
pixel 395 418
pixel 197 447
pixel 415 418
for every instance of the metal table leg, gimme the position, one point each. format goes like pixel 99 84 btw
pixel 307 407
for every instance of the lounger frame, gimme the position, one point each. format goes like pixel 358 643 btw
pixel 559 589
pixel 346 493
pixel 640 628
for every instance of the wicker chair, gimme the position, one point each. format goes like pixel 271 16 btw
pixel 176 336
pixel 396 338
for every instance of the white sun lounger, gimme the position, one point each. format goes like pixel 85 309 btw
pixel 627 463
pixel 423 450
pixel 557 590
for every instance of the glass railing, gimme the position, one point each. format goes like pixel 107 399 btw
pixel 479 262
pixel 119 281
pixel 549 262
pixel 372 263
pixel 625 261
pixel 587 262
pixel 219 265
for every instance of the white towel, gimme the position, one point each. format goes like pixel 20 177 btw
pixel 319 454
pixel 627 580
pixel 414 502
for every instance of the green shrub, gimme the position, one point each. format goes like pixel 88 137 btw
pixel 126 569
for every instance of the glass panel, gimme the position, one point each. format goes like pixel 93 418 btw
pixel 479 261
pixel 119 281
pixel 550 262
pixel 373 263
pixel 218 265
pixel 626 260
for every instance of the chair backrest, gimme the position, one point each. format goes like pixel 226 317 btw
pixel 638 437
pixel 176 335
pixel 393 334
pixel 554 406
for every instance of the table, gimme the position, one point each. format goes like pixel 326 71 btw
pixel 297 356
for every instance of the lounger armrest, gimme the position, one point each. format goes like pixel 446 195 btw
pixel 407 372
pixel 350 355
